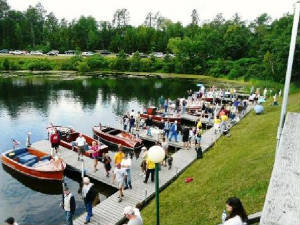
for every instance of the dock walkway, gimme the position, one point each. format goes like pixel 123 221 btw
pixel 109 211
pixel 282 203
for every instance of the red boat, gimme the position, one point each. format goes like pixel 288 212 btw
pixel 115 137
pixel 157 117
pixel 34 163
pixel 68 138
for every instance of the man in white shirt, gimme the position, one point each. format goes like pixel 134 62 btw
pixel 80 142
pixel 130 215
pixel 119 174
pixel 126 164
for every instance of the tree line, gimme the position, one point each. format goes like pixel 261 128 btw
pixel 222 48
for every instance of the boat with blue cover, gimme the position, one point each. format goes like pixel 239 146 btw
pixel 34 163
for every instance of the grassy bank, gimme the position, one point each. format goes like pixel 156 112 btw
pixel 240 166
pixel 111 65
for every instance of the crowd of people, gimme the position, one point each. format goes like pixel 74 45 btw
pixel 234 213
pixel 219 111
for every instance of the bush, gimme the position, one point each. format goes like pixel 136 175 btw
pixel 97 62
pixel 146 65
pixel 5 64
pixel 83 67
pixel 120 62
pixel 71 64
pixel 13 65
pixel 168 64
pixel 40 64
pixel 135 62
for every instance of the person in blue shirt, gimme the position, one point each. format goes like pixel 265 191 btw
pixel 173 131
pixel 258 109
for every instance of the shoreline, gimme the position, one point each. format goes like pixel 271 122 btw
pixel 106 73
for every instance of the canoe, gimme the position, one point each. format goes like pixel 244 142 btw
pixel 34 163
pixel 68 138
pixel 115 137
pixel 157 117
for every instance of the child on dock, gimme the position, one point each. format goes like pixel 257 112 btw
pixel 107 165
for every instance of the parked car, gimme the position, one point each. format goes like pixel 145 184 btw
pixel 53 52
pixel 143 55
pixel 4 51
pixel 87 53
pixel 36 53
pixel 158 54
pixel 105 52
pixel 70 52
pixel 17 52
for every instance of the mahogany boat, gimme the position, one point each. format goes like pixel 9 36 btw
pixel 115 137
pixel 157 117
pixel 34 163
pixel 68 138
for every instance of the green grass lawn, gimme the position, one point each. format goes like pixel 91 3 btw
pixel 240 165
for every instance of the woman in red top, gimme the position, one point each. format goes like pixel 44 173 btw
pixel 55 140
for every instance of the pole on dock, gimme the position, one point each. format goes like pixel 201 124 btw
pixel 28 139
pixel 288 72
pixel 82 168
pixel 157 192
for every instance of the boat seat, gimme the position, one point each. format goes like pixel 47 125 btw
pixel 31 162
pixel 26 158
pixel 20 151
pixel 22 154
pixel 45 158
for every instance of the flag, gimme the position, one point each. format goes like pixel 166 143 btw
pixel 15 142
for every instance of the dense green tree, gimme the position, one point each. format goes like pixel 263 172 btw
pixel 219 47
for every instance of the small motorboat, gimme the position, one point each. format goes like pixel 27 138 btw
pixel 115 137
pixel 34 163
pixel 157 117
pixel 69 136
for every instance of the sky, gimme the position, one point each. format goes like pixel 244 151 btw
pixel 176 10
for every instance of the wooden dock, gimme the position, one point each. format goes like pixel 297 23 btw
pixel 109 211
pixel 282 203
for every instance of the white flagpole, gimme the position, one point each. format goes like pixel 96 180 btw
pixel 288 72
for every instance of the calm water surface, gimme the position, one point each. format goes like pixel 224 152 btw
pixel 30 104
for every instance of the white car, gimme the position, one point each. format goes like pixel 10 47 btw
pixel 36 53
pixel 17 52
pixel 53 53
pixel 158 54
pixel 87 53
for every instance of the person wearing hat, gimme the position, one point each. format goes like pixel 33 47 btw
pixel 88 194
pixel 120 175
pixel 69 205
pixel 11 221
pixel 173 131
pixel 132 218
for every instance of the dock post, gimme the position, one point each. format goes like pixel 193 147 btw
pixel 28 139
pixel 82 168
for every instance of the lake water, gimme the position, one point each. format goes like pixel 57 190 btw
pixel 31 103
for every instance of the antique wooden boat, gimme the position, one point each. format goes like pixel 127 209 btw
pixel 34 163
pixel 68 138
pixel 115 137
pixel 157 117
